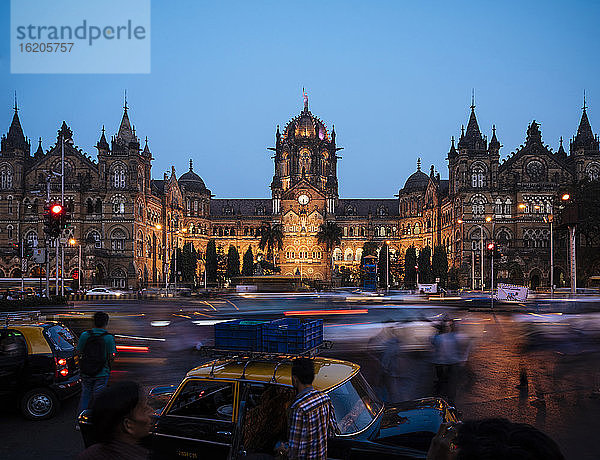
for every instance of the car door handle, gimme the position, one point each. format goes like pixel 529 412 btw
pixel 224 433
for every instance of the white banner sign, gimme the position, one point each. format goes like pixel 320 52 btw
pixel 512 292
pixel 428 288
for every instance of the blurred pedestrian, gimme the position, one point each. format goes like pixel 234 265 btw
pixel 121 419
pixel 446 355
pixel 97 351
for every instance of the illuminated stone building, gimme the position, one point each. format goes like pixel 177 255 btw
pixel 128 223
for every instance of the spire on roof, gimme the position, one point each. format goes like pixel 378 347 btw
pixel 191 165
pixel 40 150
pixel 146 148
pixel 472 139
pixel 102 144
pixel 15 138
pixel 534 135
pixel 452 152
pixel 432 171
pixel 419 164
pixel 494 144
pixel 305 96
pixel 126 134
pixel 561 149
pixel 584 139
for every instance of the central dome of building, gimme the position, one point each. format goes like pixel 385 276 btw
pixel 192 181
pixel 417 180
pixel 306 125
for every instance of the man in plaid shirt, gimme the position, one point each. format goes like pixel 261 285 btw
pixel 312 417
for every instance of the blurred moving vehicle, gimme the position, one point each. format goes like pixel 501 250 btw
pixel 237 408
pixel 103 291
pixel 39 365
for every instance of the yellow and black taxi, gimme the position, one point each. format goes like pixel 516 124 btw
pixel 38 364
pixel 236 408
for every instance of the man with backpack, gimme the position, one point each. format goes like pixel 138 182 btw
pixel 97 351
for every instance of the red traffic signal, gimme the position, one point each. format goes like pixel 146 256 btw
pixel 490 246
pixel 56 209
pixel 75 274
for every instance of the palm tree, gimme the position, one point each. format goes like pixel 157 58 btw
pixel 329 234
pixel 271 237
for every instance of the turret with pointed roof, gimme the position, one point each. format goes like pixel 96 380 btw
pixel 494 144
pixel 472 139
pixel 584 140
pixel 15 139
pixel 102 144
pixel 125 139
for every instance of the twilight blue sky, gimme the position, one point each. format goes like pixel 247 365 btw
pixel 395 78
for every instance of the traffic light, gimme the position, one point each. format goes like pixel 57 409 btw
pixel 54 218
pixel 494 250
pixel 16 249
pixel 27 249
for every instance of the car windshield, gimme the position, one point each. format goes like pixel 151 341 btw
pixel 355 405
pixel 61 338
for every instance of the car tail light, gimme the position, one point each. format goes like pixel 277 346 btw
pixel 62 369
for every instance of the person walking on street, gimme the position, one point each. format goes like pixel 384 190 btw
pixel 97 351
pixel 312 417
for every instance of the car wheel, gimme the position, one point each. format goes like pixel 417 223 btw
pixel 39 404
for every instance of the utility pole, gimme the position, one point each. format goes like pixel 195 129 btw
pixel 47 256
pixel 387 266
pixel 573 259
pixel 22 265
pixel 551 219
pixel 62 202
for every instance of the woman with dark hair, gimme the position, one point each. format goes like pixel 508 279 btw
pixel 120 418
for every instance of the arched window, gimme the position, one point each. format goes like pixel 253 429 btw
pixel 6 177
pixel 148 247
pixel 32 238
pixel 118 203
pixel 478 176
pixel 9 231
pixel 119 279
pixel 417 229
pixel 348 255
pixel 98 206
pixel 117 240
pixel 337 254
pixel 478 205
pixel 118 176
pixel 503 237
pixel 89 206
pixel 140 244
pixel 94 238
pixel 9 204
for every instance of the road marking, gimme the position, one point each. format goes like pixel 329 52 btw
pixel 209 304
pixel 234 305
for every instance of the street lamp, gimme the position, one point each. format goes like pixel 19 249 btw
pixel 573 259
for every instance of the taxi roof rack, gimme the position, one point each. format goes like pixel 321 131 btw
pixel 7 317
pixel 258 356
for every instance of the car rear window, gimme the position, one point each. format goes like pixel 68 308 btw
pixel 61 338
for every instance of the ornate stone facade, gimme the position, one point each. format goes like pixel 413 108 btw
pixel 128 223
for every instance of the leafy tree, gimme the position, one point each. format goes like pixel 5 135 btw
pixel 329 234
pixel 453 278
pixel 211 261
pixel 248 263
pixel 233 262
pixel 410 272
pixel 189 263
pixel 439 265
pixel 271 237
pixel 424 259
